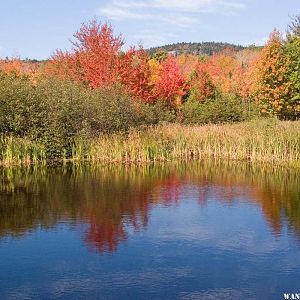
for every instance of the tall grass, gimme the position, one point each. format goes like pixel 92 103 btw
pixel 256 141
pixel 270 141
pixel 20 151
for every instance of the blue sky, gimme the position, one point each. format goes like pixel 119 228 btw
pixel 35 28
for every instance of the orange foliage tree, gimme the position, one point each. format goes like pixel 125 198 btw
pixel 97 60
pixel 19 67
pixel 155 68
pixel 13 65
pixel 225 71
pixel 247 59
pixel 97 50
pixel 272 87
pixel 187 63
pixel 94 58
pixel 63 65
pixel 201 85
pixel 134 73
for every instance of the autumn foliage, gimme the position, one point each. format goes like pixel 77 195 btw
pixel 134 73
pixel 201 84
pixel 93 59
pixel 97 60
pixel 171 83
pixel 18 67
pixel 272 89
pixel 268 76
pixel 11 66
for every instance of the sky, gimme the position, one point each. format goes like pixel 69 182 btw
pixel 35 28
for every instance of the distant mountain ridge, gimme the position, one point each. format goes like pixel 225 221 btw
pixel 202 48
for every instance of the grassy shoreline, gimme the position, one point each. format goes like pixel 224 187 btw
pixel 266 141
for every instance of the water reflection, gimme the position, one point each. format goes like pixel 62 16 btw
pixel 107 202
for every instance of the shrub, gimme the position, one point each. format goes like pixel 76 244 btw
pixel 292 51
pixel 223 109
pixel 17 99
pixel 113 110
pixel 59 114
pixel 51 112
pixel 152 114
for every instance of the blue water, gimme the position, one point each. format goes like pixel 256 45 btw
pixel 196 232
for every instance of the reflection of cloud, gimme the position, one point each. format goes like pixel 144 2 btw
pixel 246 241
pixel 102 282
pixel 214 294
pixel 21 293
pixel 237 236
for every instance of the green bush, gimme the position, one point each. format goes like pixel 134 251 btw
pixel 114 110
pixel 63 116
pixel 17 98
pixel 223 109
pixel 157 113
pixel 292 52
pixel 60 114
pixel 111 109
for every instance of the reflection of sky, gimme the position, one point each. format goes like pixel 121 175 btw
pixel 235 227
pixel 189 251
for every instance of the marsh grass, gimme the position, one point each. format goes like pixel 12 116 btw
pixel 269 141
pixel 20 151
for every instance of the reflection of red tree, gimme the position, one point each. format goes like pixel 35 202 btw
pixel 170 191
pixel 203 194
pixel 103 235
pixel 106 228
pixel 271 208
pixel 108 221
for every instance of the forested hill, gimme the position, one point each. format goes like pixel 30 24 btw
pixel 204 48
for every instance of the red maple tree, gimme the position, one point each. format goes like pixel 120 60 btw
pixel 171 84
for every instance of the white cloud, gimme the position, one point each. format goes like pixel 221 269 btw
pixel 118 12
pixel 258 42
pixel 261 41
pixel 166 15
pixel 153 37
pixel 165 9
pixel 193 6
pixel 180 20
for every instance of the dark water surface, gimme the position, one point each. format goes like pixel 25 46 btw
pixel 187 231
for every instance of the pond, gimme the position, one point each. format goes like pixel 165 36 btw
pixel 202 230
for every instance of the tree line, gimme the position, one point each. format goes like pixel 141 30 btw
pixel 98 87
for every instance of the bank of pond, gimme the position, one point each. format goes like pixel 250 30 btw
pixel 262 140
